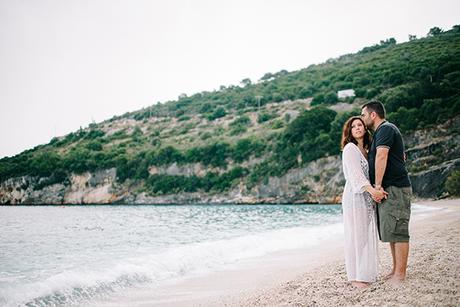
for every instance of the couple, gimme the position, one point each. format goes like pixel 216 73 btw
pixel 376 197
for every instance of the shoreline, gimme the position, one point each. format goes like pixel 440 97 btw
pixel 299 203
pixel 224 285
pixel 316 276
pixel 171 204
pixel 432 275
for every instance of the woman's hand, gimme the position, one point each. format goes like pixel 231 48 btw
pixel 378 194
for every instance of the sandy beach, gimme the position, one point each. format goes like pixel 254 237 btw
pixel 433 272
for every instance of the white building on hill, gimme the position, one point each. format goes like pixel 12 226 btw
pixel 346 93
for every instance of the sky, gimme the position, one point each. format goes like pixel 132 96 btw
pixel 67 63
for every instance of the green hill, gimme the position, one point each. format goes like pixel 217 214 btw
pixel 247 133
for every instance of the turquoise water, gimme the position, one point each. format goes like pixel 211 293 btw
pixel 72 255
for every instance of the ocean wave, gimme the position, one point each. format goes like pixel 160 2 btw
pixel 73 287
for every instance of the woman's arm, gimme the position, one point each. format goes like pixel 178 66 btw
pixel 353 169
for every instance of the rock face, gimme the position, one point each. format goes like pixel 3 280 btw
pixel 95 188
pixel 320 182
pixel 432 155
pixel 430 183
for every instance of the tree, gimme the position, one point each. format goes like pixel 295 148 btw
pixel 309 124
pixel 218 113
pixel 44 163
pixel 216 154
pixel 205 108
pixel 405 119
pixel 435 31
pixel 318 99
pixel 94 133
pixel 331 97
pixel 94 145
pixel 267 76
pixel 168 155
pixel 79 160
pixel 281 73
pixel 408 95
pixel 245 82
pixel 242 150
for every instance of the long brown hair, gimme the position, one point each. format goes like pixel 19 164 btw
pixel 347 137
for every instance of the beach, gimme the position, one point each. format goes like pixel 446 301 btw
pixel 276 256
pixel 433 274
pixel 318 278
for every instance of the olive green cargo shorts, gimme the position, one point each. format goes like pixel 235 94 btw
pixel 394 215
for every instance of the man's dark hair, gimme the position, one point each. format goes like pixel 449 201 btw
pixel 376 106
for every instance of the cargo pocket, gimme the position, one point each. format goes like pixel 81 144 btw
pixel 400 225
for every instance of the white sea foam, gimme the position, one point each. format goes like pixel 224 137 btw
pixel 73 286
pixel 423 209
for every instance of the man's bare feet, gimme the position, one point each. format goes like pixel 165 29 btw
pixel 359 284
pixel 396 280
pixel 389 275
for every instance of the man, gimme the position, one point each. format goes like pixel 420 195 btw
pixel 387 170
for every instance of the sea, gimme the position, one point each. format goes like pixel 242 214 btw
pixel 75 255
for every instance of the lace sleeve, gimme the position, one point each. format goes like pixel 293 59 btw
pixel 353 170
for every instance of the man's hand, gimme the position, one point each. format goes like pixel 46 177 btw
pixel 378 194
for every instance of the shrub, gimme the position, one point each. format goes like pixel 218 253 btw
pixel 92 134
pixel 453 183
pixel 218 113
pixel 94 145
pixel 277 124
pixel 239 129
pixel 264 116
pixel 205 135
pixel 243 120
pixel 244 148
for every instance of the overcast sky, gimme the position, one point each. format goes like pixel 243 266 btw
pixel 65 63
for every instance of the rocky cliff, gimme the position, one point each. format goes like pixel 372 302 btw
pixel 433 153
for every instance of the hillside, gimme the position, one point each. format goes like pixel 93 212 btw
pixel 274 140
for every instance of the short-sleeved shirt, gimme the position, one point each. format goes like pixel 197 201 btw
pixel 388 135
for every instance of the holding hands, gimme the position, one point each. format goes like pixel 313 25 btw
pixel 378 194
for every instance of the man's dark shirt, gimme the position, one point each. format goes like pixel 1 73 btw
pixel 388 135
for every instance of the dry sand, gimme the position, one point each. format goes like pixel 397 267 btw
pixel 433 272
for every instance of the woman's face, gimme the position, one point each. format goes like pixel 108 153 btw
pixel 357 129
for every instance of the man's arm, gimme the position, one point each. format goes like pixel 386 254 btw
pixel 380 165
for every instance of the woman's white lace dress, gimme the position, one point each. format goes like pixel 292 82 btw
pixel 359 219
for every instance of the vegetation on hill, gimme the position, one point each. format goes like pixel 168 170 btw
pixel 418 81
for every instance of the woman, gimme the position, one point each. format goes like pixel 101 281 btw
pixel 361 251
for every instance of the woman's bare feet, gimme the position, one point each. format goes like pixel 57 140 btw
pixel 359 284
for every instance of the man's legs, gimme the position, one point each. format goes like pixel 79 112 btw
pixel 401 255
pixel 392 247
pixel 394 216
